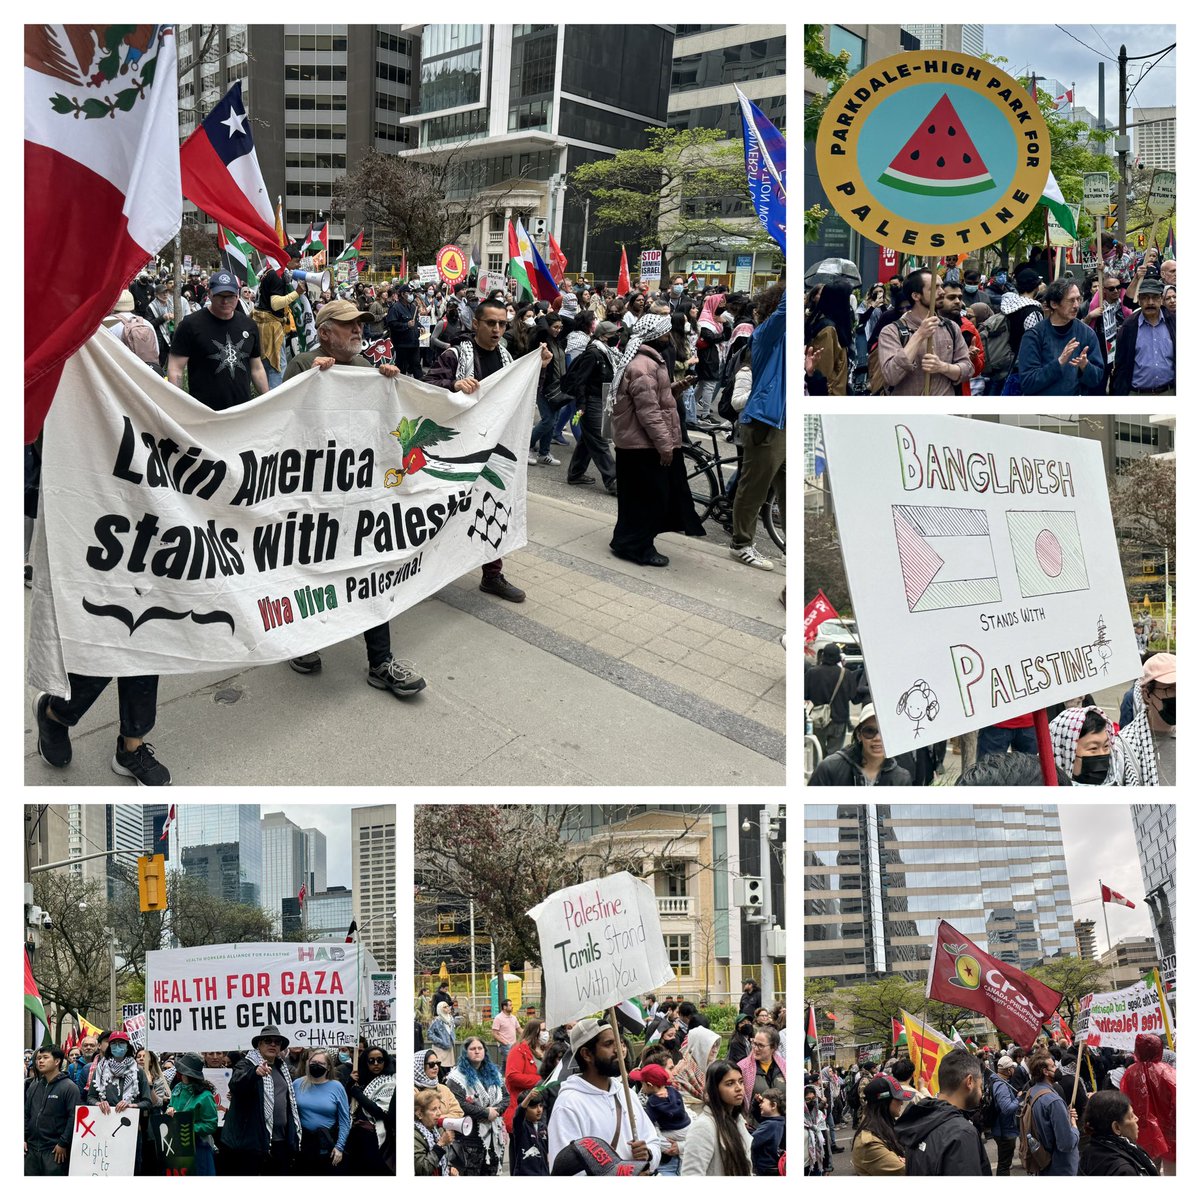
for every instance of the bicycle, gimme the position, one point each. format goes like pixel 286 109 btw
pixel 710 492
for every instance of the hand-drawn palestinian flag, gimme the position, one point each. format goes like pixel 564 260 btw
pixel 1108 896
pixel 418 439
pixel 939 159
pixel 379 351
pixel 945 557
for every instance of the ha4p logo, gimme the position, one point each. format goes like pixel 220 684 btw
pixel 933 153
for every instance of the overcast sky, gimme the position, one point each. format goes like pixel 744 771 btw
pixel 1099 844
pixel 1051 52
pixel 333 820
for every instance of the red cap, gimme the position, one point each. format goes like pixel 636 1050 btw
pixel 652 1074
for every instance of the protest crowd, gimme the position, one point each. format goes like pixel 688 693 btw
pixel 276 1109
pixel 541 1101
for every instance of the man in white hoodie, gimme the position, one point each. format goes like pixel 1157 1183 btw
pixel 591 1103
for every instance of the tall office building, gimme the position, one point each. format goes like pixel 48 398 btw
pixel 1128 960
pixel 879 877
pixel 125 831
pixel 1154 832
pixel 61 832
pixel 327 914
pixel 221 844
pixel 1154 138
pixel 965 38
pixel 319 98
pixel 283 857
pixel 154 817
pixel 1085 939
pixel 526 104
pixel 314 860
pixel 373 858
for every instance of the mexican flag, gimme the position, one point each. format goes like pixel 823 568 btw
pixel 1052 198
pixel 516 264
pixel 33 1003
pixel 238 254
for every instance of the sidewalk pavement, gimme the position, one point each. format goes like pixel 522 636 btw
pixel 609 673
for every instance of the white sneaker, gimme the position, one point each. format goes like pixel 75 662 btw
pixel 547 460
pixel 532 458
pixel 751 557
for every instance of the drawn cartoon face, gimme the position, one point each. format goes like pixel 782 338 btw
pixel 915 706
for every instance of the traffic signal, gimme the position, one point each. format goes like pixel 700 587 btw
pixel 750 892
pixel 152 883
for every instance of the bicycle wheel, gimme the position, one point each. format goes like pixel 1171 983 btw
pixel 772 519
pixel 701 480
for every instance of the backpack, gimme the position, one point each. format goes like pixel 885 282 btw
pixel 986 1115
pixel 998 353
pixel 1035 1158
pixel 821 716
pixel 876 384
pixel 576 376
pixel 138 334
pixel 733 364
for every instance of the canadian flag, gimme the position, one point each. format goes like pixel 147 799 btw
pixel 162 837
pixel 1111 897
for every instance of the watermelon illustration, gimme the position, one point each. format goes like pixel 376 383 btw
pixel 940 159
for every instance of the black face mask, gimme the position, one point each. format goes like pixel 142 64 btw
pixel 1166 714
pixel 1094 768
pixel 318 1070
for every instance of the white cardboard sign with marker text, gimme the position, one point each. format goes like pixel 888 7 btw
pixel 983 570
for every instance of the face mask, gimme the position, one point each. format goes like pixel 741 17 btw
pixel 117 1051
pixel 543 1038
pixel 1094 768
pixel 529 321
pixel 343 1058
pixel 317 1070
pixel 1167 713
pixel 677 289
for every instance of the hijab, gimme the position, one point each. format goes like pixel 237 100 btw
pixel 420 1078
pixel 693 1066
pixel 647 328
pixel 708 314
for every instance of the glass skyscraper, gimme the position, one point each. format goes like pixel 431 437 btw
pixel 1154 829
pixel 879 877
pixel 221 843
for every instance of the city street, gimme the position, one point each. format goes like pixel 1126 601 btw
pixel 609 673
pixel 845 1134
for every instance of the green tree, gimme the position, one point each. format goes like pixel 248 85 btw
pixel 1072 976
pixel 823 564
pixel 833 68
pixel 1142 498
pixel 873 1005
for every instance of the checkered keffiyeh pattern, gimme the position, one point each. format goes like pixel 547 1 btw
pixel 1064 734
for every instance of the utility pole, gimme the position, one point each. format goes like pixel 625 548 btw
pixel 587 212
pixel 1122 143
pixel 764 930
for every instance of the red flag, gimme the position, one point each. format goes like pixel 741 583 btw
pixel 162 837
pixel 558 262
pixel 101 181
pixel 302 892
pixel 1065 1029
pixel 404 264
pixel 962 974
pixel 818 609
pixel 623 274
pixel 1110 897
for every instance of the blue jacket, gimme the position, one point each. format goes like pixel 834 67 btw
pixel 398 317
pixel 767 1145
pixel 1052 1127
pixel 768 368
pixel 1041 372
pixel 1006 1101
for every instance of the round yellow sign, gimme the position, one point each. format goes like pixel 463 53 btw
pixel 451 264
pixel 930 152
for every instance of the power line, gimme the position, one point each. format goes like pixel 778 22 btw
pixel 1102 38
pixel 1063 29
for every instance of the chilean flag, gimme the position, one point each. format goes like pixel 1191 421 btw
pixel 101 181
pixel 1108 896
pixel 220 174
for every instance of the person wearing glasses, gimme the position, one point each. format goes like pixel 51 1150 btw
pixel 261 1134
pixel 372 1092
pixel 762 1070
pixel 1109 311
pixel 863 762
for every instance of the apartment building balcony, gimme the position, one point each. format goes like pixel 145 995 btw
pixel 676 906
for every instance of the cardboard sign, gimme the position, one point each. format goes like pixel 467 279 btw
pixel 379 1016
pixel 1116 1018
pixel 983 570
pixel 1162 193
pixel 1058 235
pixel 651 268
pixel 428 274
pixel 1097 192
pixel 176 1138
pixel 134 1023
pixel 219 997
pixel 104 1145
pixel 452 264
pixel 176 539
pixel 933 152
pixel 219 1077
pixel 871 1053
pixel 601 944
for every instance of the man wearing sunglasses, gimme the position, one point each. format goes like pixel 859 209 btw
pixel 262 1124
pixel 863 763
pixel 1107 315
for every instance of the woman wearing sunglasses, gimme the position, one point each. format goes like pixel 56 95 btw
pixel 863 762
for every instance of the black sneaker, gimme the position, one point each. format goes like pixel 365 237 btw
pixel 611 487
pixel 28 576
pixel 140 764
pixel 582 481
pixel 497 585
pixel 306 664
pixel 396 676
pixel 54 739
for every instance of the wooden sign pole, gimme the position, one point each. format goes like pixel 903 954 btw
pixel 612 1020
pixel 930 301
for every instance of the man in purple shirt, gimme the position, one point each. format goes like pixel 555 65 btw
pixel 1145 363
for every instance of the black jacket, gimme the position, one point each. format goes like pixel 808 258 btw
pixel 1122 376
pixel 50 1112
pixel 752 1000
pixel 844 769
pixel 589 371
pixel 939 1139
pixel 821 681
pixel 1108 1154
pixel 245 1126
pixel 399 330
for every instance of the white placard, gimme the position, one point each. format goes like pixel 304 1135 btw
pixel 651 267
pixel 1097 193
pixel 601 944
pixel 104 1145
pixel 428 274
pixel 1116 1018
pixel 219 1077
pixel 1058 235
pixel 218 997
pixel 983 570
pixel 379 1011
pixel 1162 193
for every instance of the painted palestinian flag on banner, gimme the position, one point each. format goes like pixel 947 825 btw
pixel 926 1047
pixel 1108 896
pixel 238 256
pixel 379 351
pixel 420 441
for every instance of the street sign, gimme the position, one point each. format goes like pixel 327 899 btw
pixel 1097 193
pixel 933 152
pixel 709 266
pixel 742 266
pixel 1162 193
pixel 983 570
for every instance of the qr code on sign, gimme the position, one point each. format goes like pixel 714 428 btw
pixel 381 987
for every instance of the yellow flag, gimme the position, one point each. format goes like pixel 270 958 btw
pixel 926 1047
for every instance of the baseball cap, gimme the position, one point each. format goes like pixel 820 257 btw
pixel 868 711
pixel 590 1156
pixel 607 329
pixel 652 1074
pixel 339 310
pixel 584 1031
pixel 887 1085
pixel 222 281
pixel 1159 668
pixel 1004 1063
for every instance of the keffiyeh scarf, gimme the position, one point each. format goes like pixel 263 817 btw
pixel 1064 734
pixel 420 1078
pixel 490 1133
pixel 121 1073
pixel 466 358
pixel 646 329
pixel 257 1059
pixel 1140 738
pixel 431 1142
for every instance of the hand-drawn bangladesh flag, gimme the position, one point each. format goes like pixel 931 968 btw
pixel 1048 552
pixel 939 159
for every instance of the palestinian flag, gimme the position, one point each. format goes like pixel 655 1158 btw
pixel 810 1033
pixel 926 1047
pixel 631 1017
pixel 33 1003
pixel 516 264
pixel 899 1037
pixel 353 250
pixel 238 255
pixel 956 1037
pixel 317 241
pixel 1052 198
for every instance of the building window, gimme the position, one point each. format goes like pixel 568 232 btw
pixel 451 82
pixel 317 101
pixel 495 266
pixel 316 133
pixel 679 952
pixel 535 115
pixel 392 73
pixel 389 41
pixel 842 39
pixel 732 64
pixel 323 72
pixel 675 875
pixel 314 41
pixel 390 133
pixel 457 127
pixel 598 125
pixel 318 161
pixel 533 66
pixel 390 103
pixel 445 39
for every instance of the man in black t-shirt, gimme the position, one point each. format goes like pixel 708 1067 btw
pixel 220 348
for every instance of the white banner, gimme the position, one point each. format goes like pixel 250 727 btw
pixel 218 997
pixel 104 1145
pixel 1116 1018
pixel 983 570
pixel 379 1017
pixel 174 539
pixel 601 944
pixel 219 1077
